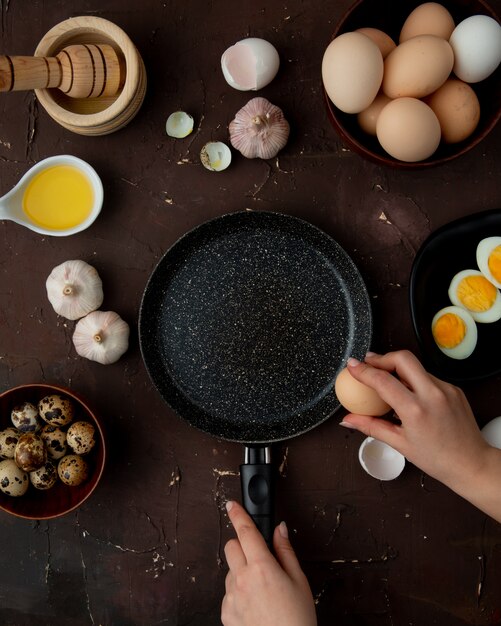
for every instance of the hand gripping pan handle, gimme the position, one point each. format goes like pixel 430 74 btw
pixel 258 489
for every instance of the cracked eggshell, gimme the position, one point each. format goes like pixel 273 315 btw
pixel 250 64
pixel 215 156
pixel 491 432
pixel 179 125
pixel 380 460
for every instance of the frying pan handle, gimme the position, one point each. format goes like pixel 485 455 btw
pixel 258 489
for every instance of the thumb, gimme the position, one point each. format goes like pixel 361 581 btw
pixel 285 554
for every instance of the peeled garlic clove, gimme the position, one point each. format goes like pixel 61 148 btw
pixel 179 125
pixel 101 336
pixel 250 64
pixel 215 156
pixel 259 129
pixel 74 289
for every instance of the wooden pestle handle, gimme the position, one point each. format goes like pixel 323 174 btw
pixel 80 71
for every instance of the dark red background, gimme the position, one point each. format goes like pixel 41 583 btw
pixel 147 548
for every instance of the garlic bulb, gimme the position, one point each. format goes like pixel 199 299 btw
pixel 101 336
pixel 74 289
pixel 259 129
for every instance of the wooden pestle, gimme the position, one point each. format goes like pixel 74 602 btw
pixel 80 71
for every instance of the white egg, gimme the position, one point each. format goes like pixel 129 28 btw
pixel 471 290
pixel 250 64
pixel 489 259
pixel 455 332
pixel 476 42
pixel 380 460
pixel 491 432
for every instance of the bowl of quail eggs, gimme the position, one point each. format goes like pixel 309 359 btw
pixel 52 451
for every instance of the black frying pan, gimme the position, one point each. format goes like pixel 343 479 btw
pixel 244 325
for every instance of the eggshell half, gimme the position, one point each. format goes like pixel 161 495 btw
pixel 380 460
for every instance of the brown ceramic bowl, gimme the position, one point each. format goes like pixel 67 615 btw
pixel 61 499
pixel 389 16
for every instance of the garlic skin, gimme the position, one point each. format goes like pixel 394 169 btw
pixel 101 336
pixel 259 129
pixel 74 289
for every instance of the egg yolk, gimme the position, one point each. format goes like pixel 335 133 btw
pixel 476 293
pixel 495 263
pixel 449 330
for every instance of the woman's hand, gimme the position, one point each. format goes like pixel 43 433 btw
pixel 438 431
pixel 261 589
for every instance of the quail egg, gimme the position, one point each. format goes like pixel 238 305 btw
pixel 30 453
pixel 55 441
pixel 81 437
pixel 25 417
pixel 44 477
pixel 56 410
pixel 8 442
pixel 471 290
pixel 455 332
pixel 73 470
pixel 13 481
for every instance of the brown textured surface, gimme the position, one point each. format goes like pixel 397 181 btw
pixel 147 547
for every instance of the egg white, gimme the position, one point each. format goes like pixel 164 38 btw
pixel 491 315
pixel 484 249
pixel 466 347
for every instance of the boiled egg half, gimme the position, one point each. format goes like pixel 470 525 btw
pixel 489 259
pixel 471 290
pixel 455 332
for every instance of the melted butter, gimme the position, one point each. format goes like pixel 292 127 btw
pixel 58 198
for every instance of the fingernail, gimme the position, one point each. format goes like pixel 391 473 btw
pixel 229 505
pixel 369 354
pixel 345 424
pixel 282 529
pixel 353 362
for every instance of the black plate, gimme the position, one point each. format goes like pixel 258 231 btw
pixel 246 321
pixel 446 252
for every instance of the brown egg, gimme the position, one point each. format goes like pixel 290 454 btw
pixel 30 453
pixel 367 119
pixel 417 67
pixel 383 41
pixel 352 70
pixel 44 477
pixel 81 437
pixel 429 18
pixel 408 130
pixel 457 108
pixel 357 397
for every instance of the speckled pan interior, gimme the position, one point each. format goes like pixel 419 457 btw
pixel 246 321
